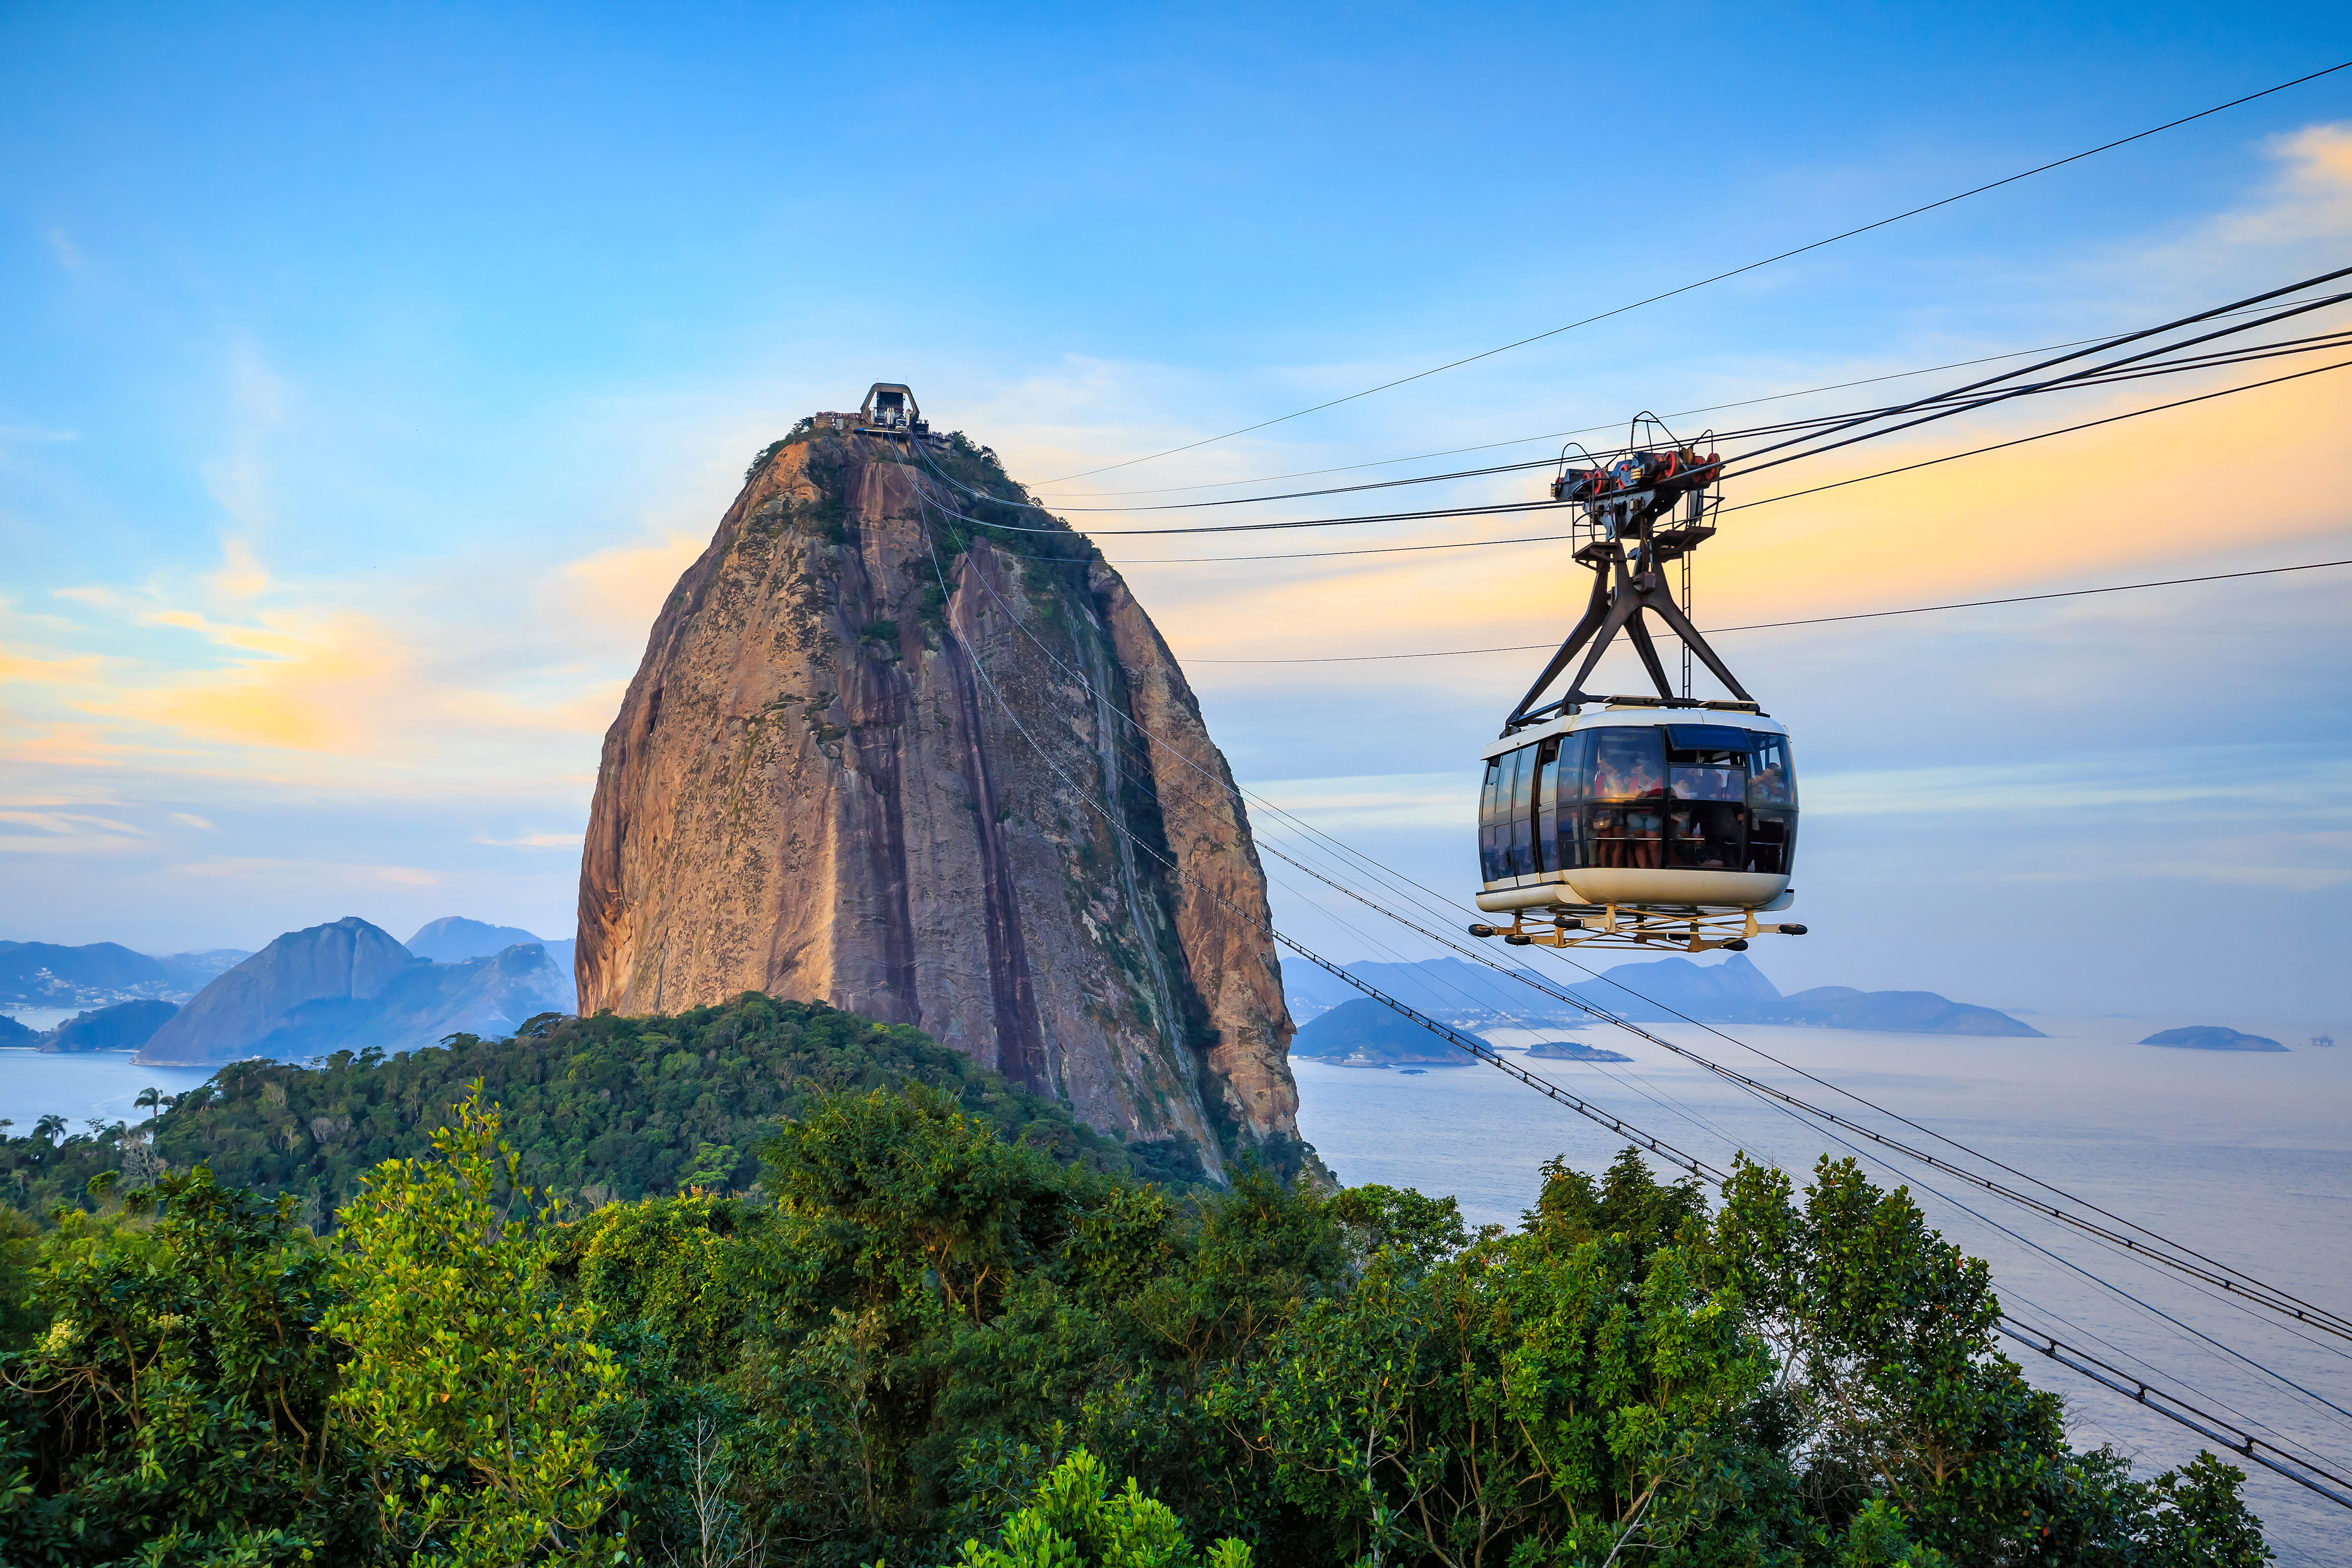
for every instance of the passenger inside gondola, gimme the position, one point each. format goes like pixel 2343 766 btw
pixel 1707 767
pixel 1768 773
pixel 1628 773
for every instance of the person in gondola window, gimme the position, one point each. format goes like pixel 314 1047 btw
pixel 1768 777
pixel 1628 766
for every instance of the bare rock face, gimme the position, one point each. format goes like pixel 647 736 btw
pixel 871 761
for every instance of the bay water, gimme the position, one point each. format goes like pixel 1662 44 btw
pixel 81 1086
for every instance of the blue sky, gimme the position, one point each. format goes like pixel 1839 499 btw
pixel 365 379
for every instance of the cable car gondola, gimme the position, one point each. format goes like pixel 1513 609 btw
pixel 1637 821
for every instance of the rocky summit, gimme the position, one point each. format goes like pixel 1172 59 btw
pixel 876 758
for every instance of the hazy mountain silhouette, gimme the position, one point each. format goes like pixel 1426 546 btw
pixel 48 974
pixel 1455 991
pixel 1365 1033
pixel 453 939
pixel 347 985
pixel 125 1026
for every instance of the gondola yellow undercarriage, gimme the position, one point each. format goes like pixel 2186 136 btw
pixel 1612 925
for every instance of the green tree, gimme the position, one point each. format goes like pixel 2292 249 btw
pixel 1890 1385
pixel 175 1409
pixel 473 1391
pixel 601 1108
pixel 1075 1520
pixel 1559 1393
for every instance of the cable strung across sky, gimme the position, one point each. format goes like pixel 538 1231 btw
pixel 1718 278
pixel 1958 400
pixel 1977 393
pixel 1505 509
pixel 1959 404
pixel 2169 1254
pixel 1814 620
pixel 1589 429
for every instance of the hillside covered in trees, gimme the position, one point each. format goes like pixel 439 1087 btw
pixel 599 1109
pixel 934 1330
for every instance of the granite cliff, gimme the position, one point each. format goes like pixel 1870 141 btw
pixel 872 759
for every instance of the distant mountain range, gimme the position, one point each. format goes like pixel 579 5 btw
pixel 1457 992
pixel 44 974
pixel 1574 1051
pixel 125 1026
pixel 454 938
pixel 1364 1033
pixel 349 986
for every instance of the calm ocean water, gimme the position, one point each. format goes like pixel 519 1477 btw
pixel 2245 1157
pixel 81 1086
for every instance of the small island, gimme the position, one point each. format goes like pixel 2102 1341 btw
pixel 1574 1051
pixel 2212 1038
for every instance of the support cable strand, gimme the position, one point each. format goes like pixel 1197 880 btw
pixel 1505 509
pixel 2219 1275
pixel 2154 1398
pixel 1599 430
pixel 1814 620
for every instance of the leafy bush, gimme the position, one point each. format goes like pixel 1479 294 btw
pixel 214 1384
pixel 1075 1520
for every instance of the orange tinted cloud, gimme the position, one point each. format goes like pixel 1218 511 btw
pixel 622 588
pixel 303 683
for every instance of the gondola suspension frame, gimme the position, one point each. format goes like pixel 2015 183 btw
pixel 1646 512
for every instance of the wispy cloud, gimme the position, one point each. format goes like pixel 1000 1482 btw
pixel 618 590
pixel 1381 801
pixel 15 436
pixel 310 873
pixel 2290 781
pixel 64 832
pixel 240 478
pixel 2309 198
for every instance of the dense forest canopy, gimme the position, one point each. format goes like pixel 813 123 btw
pixel 600 1108
pixel 928 1331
